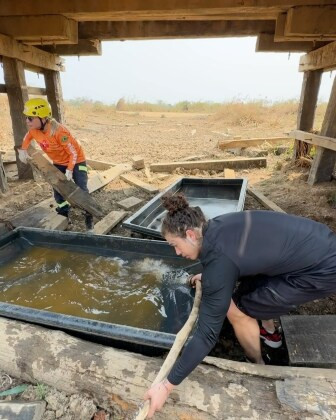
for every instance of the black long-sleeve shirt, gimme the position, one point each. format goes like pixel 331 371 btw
pixel 246 244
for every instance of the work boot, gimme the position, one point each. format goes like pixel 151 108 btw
pixel 63 211
pixel 89 222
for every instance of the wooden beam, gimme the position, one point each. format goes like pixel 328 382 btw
pixel 266 43
pixel 50 29
pixel 233 144
pixel 317 22
pixel 29 55
pixel 138 183
pixel 267 203
pixel 280 34
pixel 109 222
pixel 324 160
pixel 323 58
pixel 17 96
pixel 68 189
pixel 32 90
pixel 104 178
pixel 43 215
pixel 209 165
pixel 54 93
pixel 307 107
pixel 99 165
pixel 314 139
pixel 86 10
pixel 172 29
pixel 83 47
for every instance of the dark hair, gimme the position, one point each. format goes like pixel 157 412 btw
pixel 180 216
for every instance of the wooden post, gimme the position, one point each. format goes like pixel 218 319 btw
pixel 54 93
pixel 324 160
pixel 3 178
pixel 306 113
pixel 17 96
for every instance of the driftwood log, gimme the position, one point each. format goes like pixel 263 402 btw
pixel 68 189
pixel 117 380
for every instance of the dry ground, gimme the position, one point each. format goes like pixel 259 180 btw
pixel 113 136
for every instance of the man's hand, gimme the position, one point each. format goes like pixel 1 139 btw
pixel 68 175
pixel 158 395
pixel 23 156
pixel 194 279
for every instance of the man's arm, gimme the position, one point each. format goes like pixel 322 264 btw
pixel 218 280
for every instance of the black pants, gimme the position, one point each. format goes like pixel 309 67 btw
pixel 264 297
pixel 80 177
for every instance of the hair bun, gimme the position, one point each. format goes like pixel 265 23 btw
pixel 174 203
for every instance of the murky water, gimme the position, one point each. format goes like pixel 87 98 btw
pixel 108 289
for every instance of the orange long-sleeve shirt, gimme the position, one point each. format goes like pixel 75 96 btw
pixel 61 147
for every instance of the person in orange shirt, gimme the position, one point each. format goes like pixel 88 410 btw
pixel 62 148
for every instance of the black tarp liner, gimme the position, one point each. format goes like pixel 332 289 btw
pixel 215 196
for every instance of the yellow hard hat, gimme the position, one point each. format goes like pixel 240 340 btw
pixel 37 107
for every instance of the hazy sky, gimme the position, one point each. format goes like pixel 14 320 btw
pixel 176 70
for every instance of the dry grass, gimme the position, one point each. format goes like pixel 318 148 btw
pixel 278 116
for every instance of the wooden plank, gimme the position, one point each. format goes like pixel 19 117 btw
pixel 50 29
pixel 128 9
pixel 307 107
pixel 318 22
pixel 138 162
pixel 104 178
pixel 232 144
pixel 109 222
pixel 208 165
pixel 138 183
pixel 130 202
pixel 310 340
pixel 229 173
pixel 266 43
pixel 43 214
pixel 30 55
pixel 54 93
pixel 324 159
pixel 173 29
pixel 279 34
pixel 323 58
pixel 99 165
pixel 17 96
pixel 84 47
pixel 32 90
pixel 68 189
pixel 314 139
pixel 267 203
